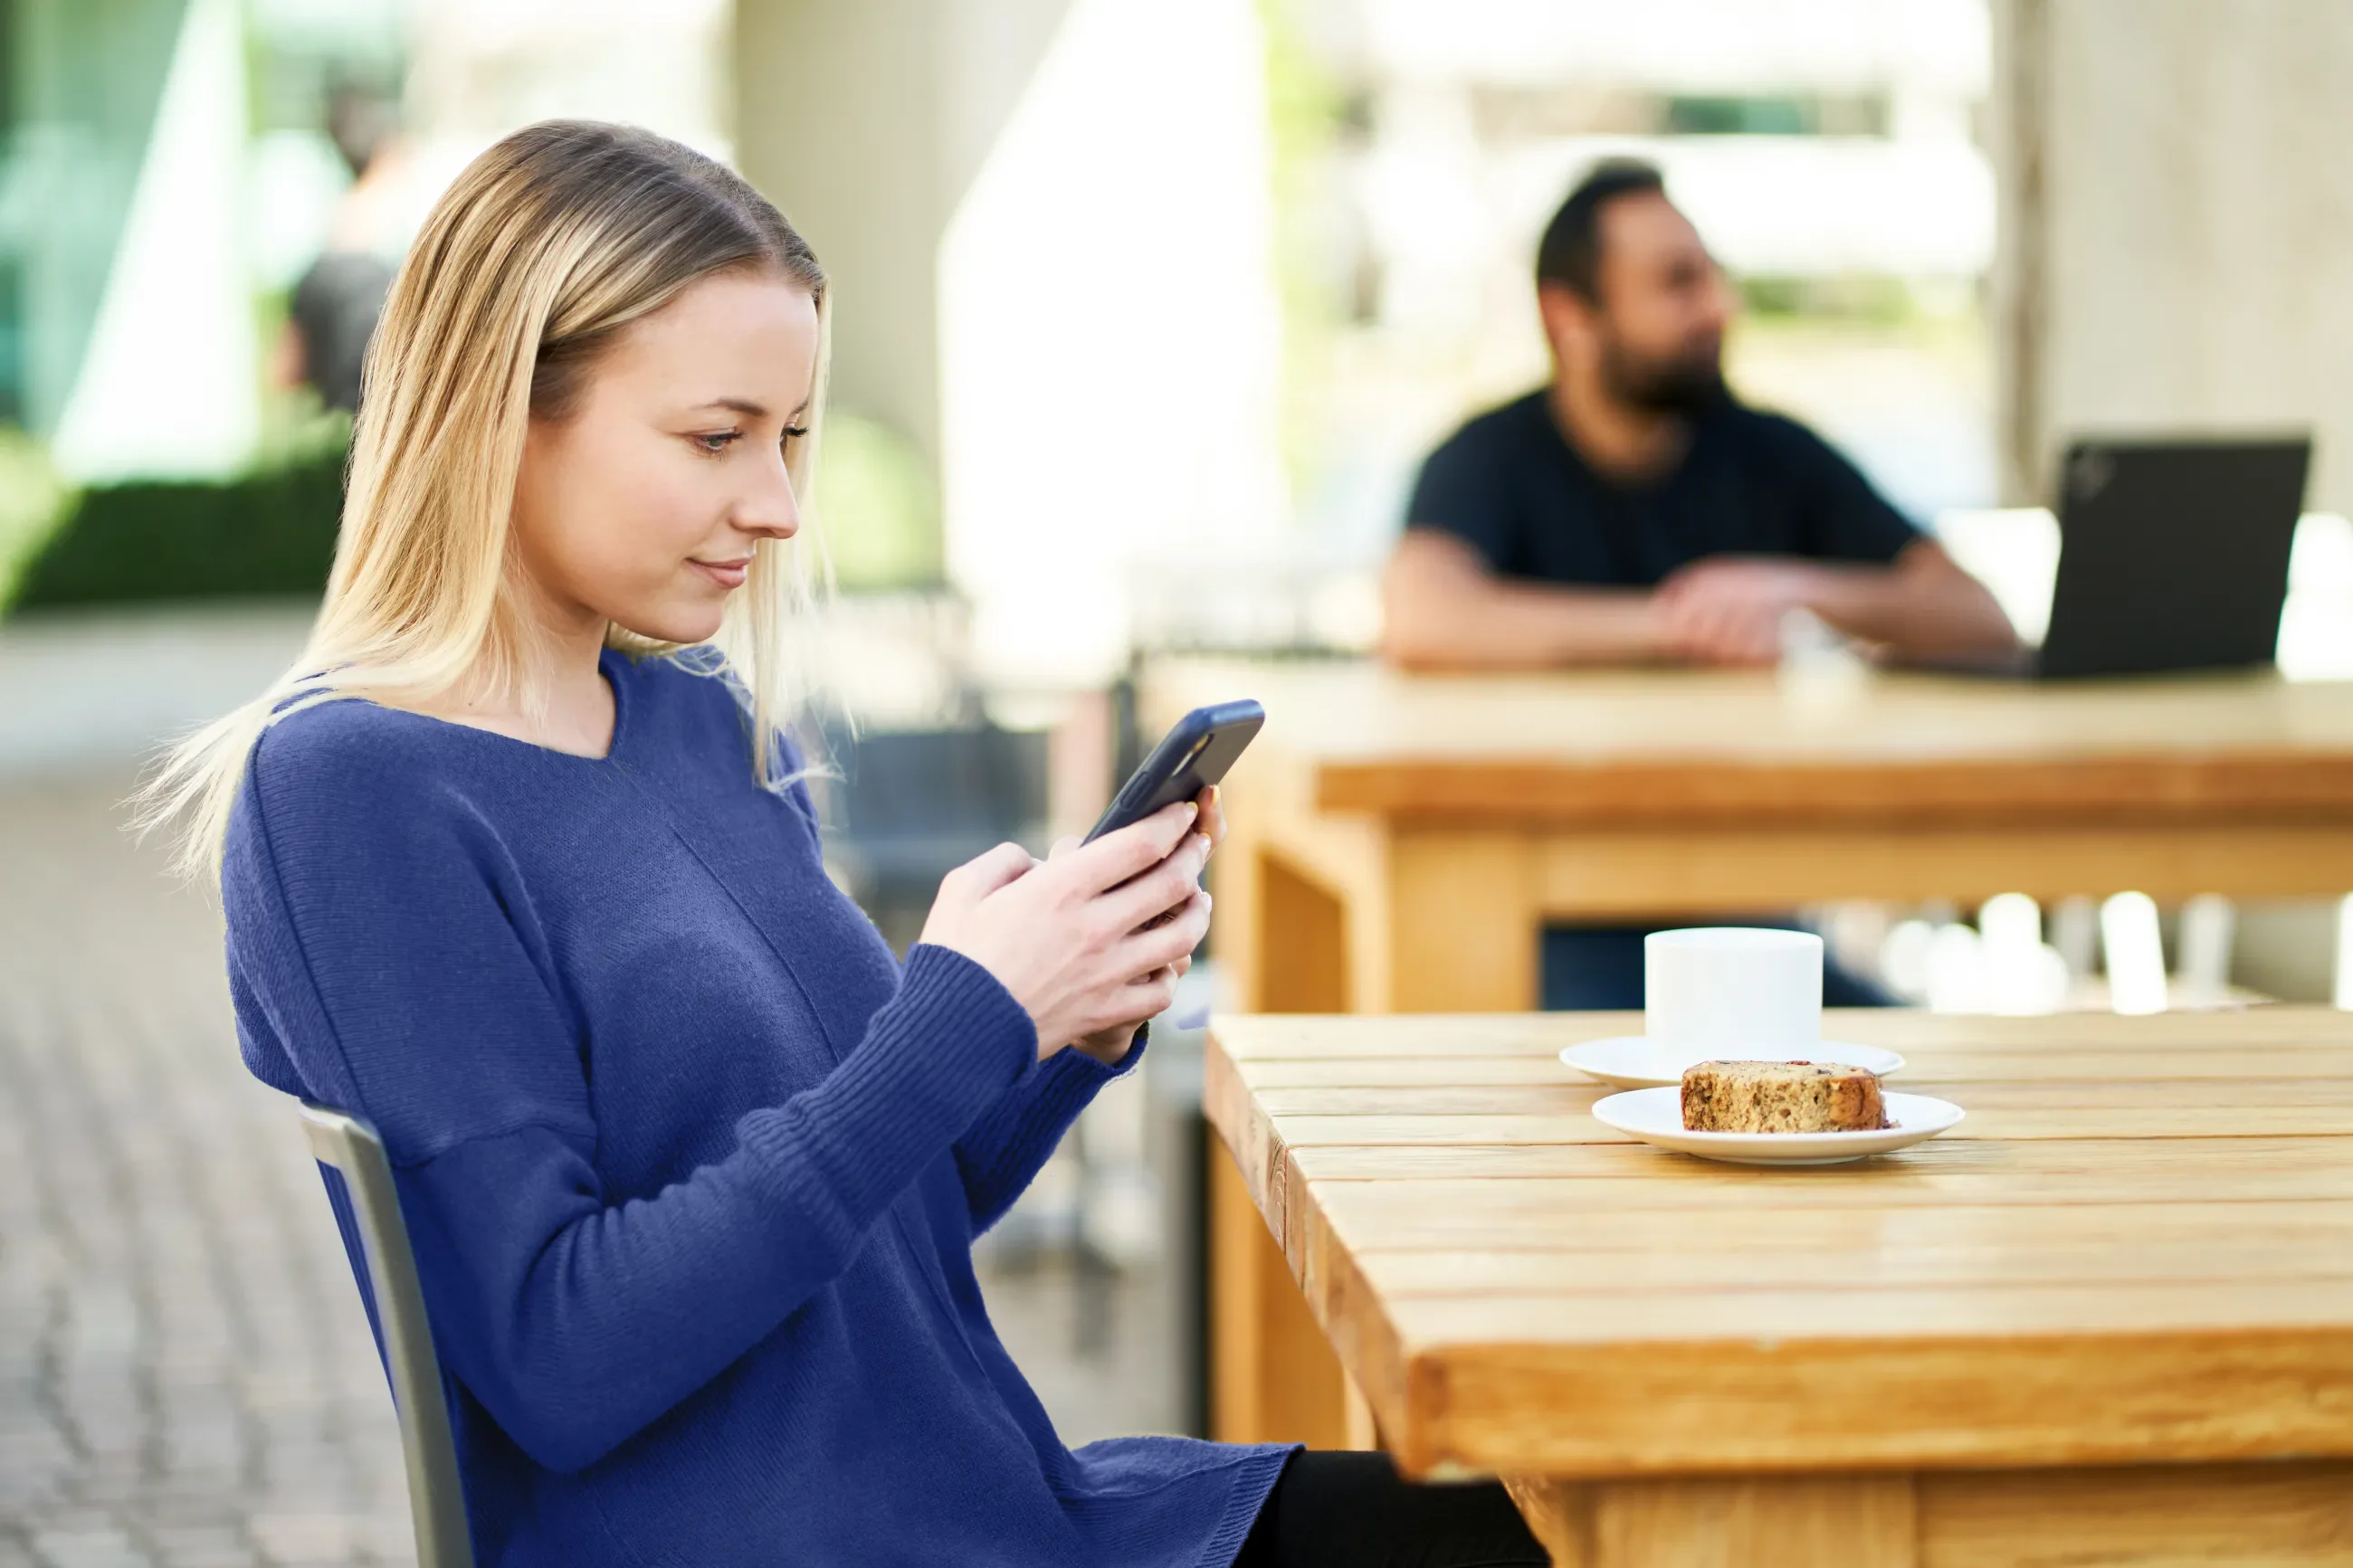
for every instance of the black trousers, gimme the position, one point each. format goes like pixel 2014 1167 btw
pixel 1341 1508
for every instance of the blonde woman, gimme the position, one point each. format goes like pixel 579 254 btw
pixel 516 866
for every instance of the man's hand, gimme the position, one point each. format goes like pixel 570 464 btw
pixel 1110 1046
pixel 1728 609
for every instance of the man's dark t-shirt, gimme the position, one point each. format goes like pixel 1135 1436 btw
pixel 1510 486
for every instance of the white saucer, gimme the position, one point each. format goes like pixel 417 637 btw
pixel 1656 1116
pixel 1633 1061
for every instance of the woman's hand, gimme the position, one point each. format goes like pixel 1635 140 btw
pixel 1110 1046
pixel 1077 939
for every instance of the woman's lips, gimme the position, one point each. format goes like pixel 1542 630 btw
pixel 726 573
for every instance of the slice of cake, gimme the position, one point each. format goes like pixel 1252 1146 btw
pixel 1781 1097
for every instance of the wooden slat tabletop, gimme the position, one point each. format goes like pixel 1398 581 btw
pixel 1650 746
pixel 2137 1248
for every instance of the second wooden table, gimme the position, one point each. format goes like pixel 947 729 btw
pixel 1399 842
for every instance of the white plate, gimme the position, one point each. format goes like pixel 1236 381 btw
pixel 1656 1116
pixel 1630 1061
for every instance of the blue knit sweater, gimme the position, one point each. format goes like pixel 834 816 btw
pixel 692 1168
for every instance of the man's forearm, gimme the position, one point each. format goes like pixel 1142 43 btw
pixel 1923 608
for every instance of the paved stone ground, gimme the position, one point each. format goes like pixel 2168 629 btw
pixel 186 1380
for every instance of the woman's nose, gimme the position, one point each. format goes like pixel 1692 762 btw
pixel 771 510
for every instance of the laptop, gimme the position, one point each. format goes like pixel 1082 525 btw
pixel 2172 555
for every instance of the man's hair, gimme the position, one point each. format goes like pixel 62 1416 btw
pixel 1569 255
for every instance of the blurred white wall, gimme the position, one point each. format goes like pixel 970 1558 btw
pixel 866 124
pixel 1693 43
pixel 2178 226
pixel 1110 336
pixel 1048 224
pixel 478 71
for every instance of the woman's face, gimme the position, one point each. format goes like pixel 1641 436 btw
pixel 643 505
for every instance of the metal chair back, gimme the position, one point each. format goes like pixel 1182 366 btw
pixel 349 1149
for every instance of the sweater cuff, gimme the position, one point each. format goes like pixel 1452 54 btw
pixel 1095 1074
pixel 985 1010
pixel 936 1056
pixel 1066 1083
pixel 1072 1078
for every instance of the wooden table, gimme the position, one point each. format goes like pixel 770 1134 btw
pixel 2109 1319
pixel 1398 842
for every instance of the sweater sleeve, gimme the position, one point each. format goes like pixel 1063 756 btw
pixel 378 942
pixel 1002 1152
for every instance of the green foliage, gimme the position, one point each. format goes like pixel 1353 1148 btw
pixel 271 531
pixel 267 533
pixel 1308 115
pixel 32 500
pixel 1867 297
pixel 1775 114
pixel 877 507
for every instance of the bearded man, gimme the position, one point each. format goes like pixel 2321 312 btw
pixel 1634 510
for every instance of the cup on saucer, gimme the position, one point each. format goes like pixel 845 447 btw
pixel 1724 992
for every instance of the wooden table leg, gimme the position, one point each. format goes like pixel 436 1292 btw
pixel 1465 938
pixel 1273 1378
pixel 1465 924
pixel 2297 1515
pixel 1799 1522
pixel 1273 1375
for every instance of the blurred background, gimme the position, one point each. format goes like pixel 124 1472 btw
pixel 1146 315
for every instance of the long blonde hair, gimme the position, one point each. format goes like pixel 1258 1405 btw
pixel 546 247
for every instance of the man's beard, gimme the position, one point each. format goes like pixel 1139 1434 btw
pixel 1684 382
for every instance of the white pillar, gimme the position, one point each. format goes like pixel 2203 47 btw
pixel 1111 336
pixel 865 123
pixel 1049 227
pixel 171 385
pixel 2176 229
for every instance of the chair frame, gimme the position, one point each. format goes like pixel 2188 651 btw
pixel 436 1501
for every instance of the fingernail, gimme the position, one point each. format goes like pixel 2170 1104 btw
pixel 1192 810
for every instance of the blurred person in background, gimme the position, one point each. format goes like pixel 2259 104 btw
pixel 1634 510
pixel 517 864
pixel 335 304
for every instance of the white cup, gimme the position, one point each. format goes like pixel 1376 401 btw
pixel 1730 991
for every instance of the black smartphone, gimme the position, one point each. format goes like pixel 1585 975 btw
pixel 1192 756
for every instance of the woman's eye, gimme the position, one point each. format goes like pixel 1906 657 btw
pixel 793 433
pixel 717 441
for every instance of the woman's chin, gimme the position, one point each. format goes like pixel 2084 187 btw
pixel 689 623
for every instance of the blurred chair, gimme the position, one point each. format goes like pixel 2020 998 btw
pixel 2344 987
pixel 911 805
pixel 2202 971
pixel 352 1162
